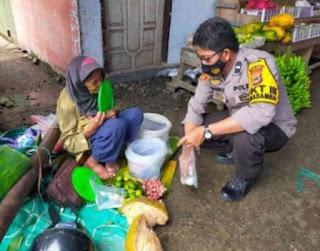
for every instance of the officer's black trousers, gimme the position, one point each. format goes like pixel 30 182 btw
pixel 247 148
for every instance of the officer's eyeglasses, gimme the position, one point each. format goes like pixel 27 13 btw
pixel 207 59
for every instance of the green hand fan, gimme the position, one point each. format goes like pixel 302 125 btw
pixel 81 182
pixel 105 97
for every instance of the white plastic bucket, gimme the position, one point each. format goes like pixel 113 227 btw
pixel 154 126
pixel 145 157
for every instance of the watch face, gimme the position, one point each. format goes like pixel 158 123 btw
pixel 208 135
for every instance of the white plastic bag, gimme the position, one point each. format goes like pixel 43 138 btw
pixel 188 171
pixel 107 197
pixel 145 157
pixel 43 122
pixel 155 126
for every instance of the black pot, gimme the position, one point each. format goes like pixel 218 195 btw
pixel 62 238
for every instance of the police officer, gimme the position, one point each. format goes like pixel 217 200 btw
pixel 259 116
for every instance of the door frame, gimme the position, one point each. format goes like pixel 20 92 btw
pixel 166 30
pixel 104 26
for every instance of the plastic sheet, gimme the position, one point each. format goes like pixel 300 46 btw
pixel 107 197
pixel 112 238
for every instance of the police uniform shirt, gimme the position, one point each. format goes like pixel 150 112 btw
pixel 252 91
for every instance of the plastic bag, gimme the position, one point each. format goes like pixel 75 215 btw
pixel 173 72
pixel 107 197
pixel 43 122
pixel 145 157
pixel 188 171
pixel 21 139
pixel 155 126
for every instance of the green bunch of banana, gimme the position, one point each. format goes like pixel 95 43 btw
pixel 294 73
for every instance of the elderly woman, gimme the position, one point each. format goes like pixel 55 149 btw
pixel 94 138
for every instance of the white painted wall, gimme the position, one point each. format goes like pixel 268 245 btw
pixel 91 29
pixel 186 16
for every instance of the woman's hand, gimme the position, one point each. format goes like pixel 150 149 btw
pixel 193 138
pixel 95 123
pixel 111 114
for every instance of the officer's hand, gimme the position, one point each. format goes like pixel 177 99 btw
pixel 194 138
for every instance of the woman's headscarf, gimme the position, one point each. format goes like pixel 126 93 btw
pixel 78 71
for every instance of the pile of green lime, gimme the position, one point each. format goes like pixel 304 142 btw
pixel 132 187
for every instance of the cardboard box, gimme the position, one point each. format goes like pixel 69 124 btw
pixel 246 19
pixel 227 9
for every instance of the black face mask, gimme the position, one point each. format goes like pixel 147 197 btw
pixel 213 69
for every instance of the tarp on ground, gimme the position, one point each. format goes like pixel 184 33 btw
pixel 105 227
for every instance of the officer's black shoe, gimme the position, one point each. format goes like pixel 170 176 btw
pixel 225 158
pixel 236 189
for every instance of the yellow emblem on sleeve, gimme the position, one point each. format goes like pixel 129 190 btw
pixel 262 84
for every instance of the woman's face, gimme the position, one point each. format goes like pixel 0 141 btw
pixel 94 81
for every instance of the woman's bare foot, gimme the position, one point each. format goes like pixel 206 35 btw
pixel 112 168
pixel 99 169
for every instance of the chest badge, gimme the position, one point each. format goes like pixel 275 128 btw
pixel 215 71
pixel 244 97
pixel 219 96
pixel 216 81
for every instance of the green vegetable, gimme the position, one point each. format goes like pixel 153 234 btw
pixel 132 196
pixel 126 186
pixel 269 35
pixel 294 73
pixel 138 193
pixel 252 27
pixel 131 191
pixel 13 165
pixel 132 184
pixel 244 38
pixel 16 243
pixel 118 184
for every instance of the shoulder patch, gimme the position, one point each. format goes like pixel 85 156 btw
pixel 262 85
pixel 238 67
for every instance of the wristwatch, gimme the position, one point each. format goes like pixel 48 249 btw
pixel 207 133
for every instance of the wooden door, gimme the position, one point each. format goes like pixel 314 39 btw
pixel 133 34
